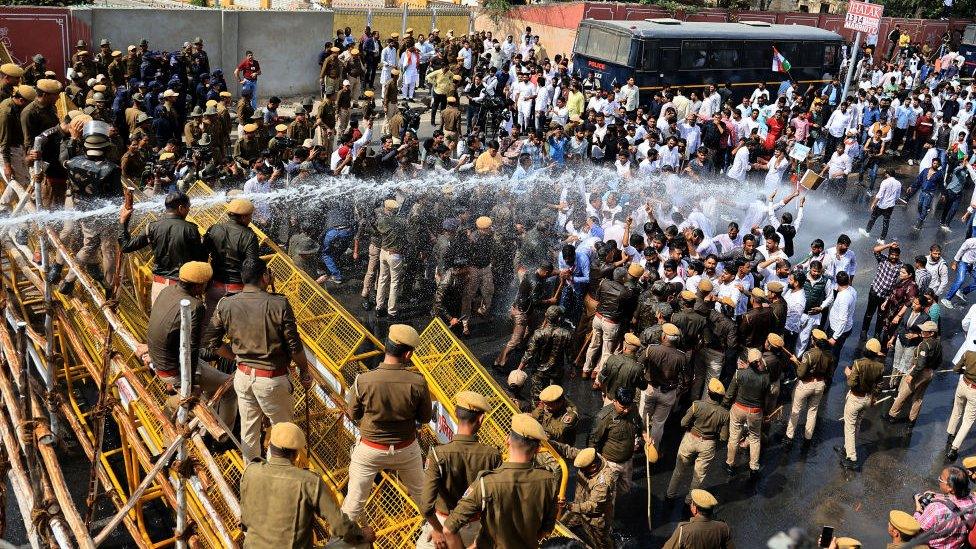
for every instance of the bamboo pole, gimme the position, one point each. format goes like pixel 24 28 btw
pixel 48 320
pixel 186 384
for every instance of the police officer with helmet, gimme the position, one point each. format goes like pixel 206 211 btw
pixel 93 179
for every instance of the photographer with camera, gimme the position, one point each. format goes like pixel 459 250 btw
pixel 948 516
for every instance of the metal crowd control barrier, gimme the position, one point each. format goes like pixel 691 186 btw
pixel 448 366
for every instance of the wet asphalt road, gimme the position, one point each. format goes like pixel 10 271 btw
pixel 803 488
pixel 798 488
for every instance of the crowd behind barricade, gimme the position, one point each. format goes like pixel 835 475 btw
pixel 645 259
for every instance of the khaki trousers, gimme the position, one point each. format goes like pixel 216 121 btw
pixel 914 392
pixel 369 279
pixel 98 238
pixel 210 380
pixel 748 424
pixel 388 288
pixel 964 410
pixel 655 407
pixel 343 120
pixel 854 408
pixel 257 398
pixel 806 397
pixel 691 449
pixel 366 461
pixel 479 280
pixel 625 474
pixel 603 338
pixel 469 532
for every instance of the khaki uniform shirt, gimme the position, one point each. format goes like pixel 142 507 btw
pixel 131 114
pixel 707 419
pixel 331 67
pixel 701 533
pixel 260 327
pixel 299 131
pixel 11 130
pixel 967 366
pixel 389 402
pixel 517 502
pixel 815 364
pixel 865 376
pixel 560 426
pixel 326 114
pixel 35 118
pixel 246 150
pixel 614 434
pixel 451 468
pixel 594 494
pixel 451 118
pixel 279 503
pixel 163 335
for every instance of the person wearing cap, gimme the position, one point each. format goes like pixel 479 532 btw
pixel 451 468
pixel 706 424
pixel 864 377
pixel 246 73
pixel 199 60
pixel 12 140
pixel 745 398
pixel 263 341
pixel 926 360
pixel 353 70
pixel 35 71
pixel 666 369
pixel 616 428
pixel 330 74
pixel 721 344
pixel 166 118
pixel 391 229
pixel 281 500
pixel 132 112
pixel 163 338
pixel 813 370
pixel 621 370
pixel 690 321
pixel 390 97
pixel 757 322
pixel 248 147
pixel 703 531
pixel 343 104
pixel 593 504
pixel 964 404
pixel 777 305
pixel 10 75
pixel 516 501
pixel 532 294
pixel 613 310
pixel 902 528
pixel 229 244
pixel 300 128
pixel 174 241
pixel 94 179
pixel 556 413
pixel 388 403
pixel 40 119
pixel 193 128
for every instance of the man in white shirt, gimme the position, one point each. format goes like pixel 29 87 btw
pixel 840 320
pixel 711 104
pixel 630 95
pixel 837 124
pixel 840 258
pixel 740 163
pixel 691 133
pixel 760 91
pixel 524 91
pixel 838 168
pixel 883 204
pixel 669 155
pixel 543 102
pixel 388 61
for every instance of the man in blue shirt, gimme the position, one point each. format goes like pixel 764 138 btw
pixel 903 118
pixel 574 268
pixel 927 182
pixel 870 115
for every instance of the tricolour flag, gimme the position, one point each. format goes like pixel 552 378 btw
pixel 780 64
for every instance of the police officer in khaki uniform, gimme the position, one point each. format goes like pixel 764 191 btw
pixel 927 359
pixel 480 276
pixel 229 244
pixel 706 424
pixel 864 378
pixel 812 371
pixel 391 229
pixel 12 140
pixel 247 149
pixel 902 528
pixel 300 128
pixel 279 500
pixel 549 352
pixel 163 338
pixel 263 341
pixel 451 121
pixel 721 343
pixel 615 429
pixel 451 468
pixel 517 501
pixel 592 507
pixel 666 369
pixel 621 370
pixel 557 415
pixel 745 399
pixel 702 531
pixel 10 75
pixel 964 404
pixel 388 403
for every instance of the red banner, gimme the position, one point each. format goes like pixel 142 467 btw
pixel 32 30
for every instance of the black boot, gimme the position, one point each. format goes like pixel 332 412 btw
pixel 787 443
pixel 951 455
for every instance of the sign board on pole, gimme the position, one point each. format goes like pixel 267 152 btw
pixel 863 16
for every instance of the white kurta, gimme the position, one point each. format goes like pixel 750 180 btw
pixel 409 62
pixel 968 324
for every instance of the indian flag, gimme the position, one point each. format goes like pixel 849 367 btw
pixel 780 64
